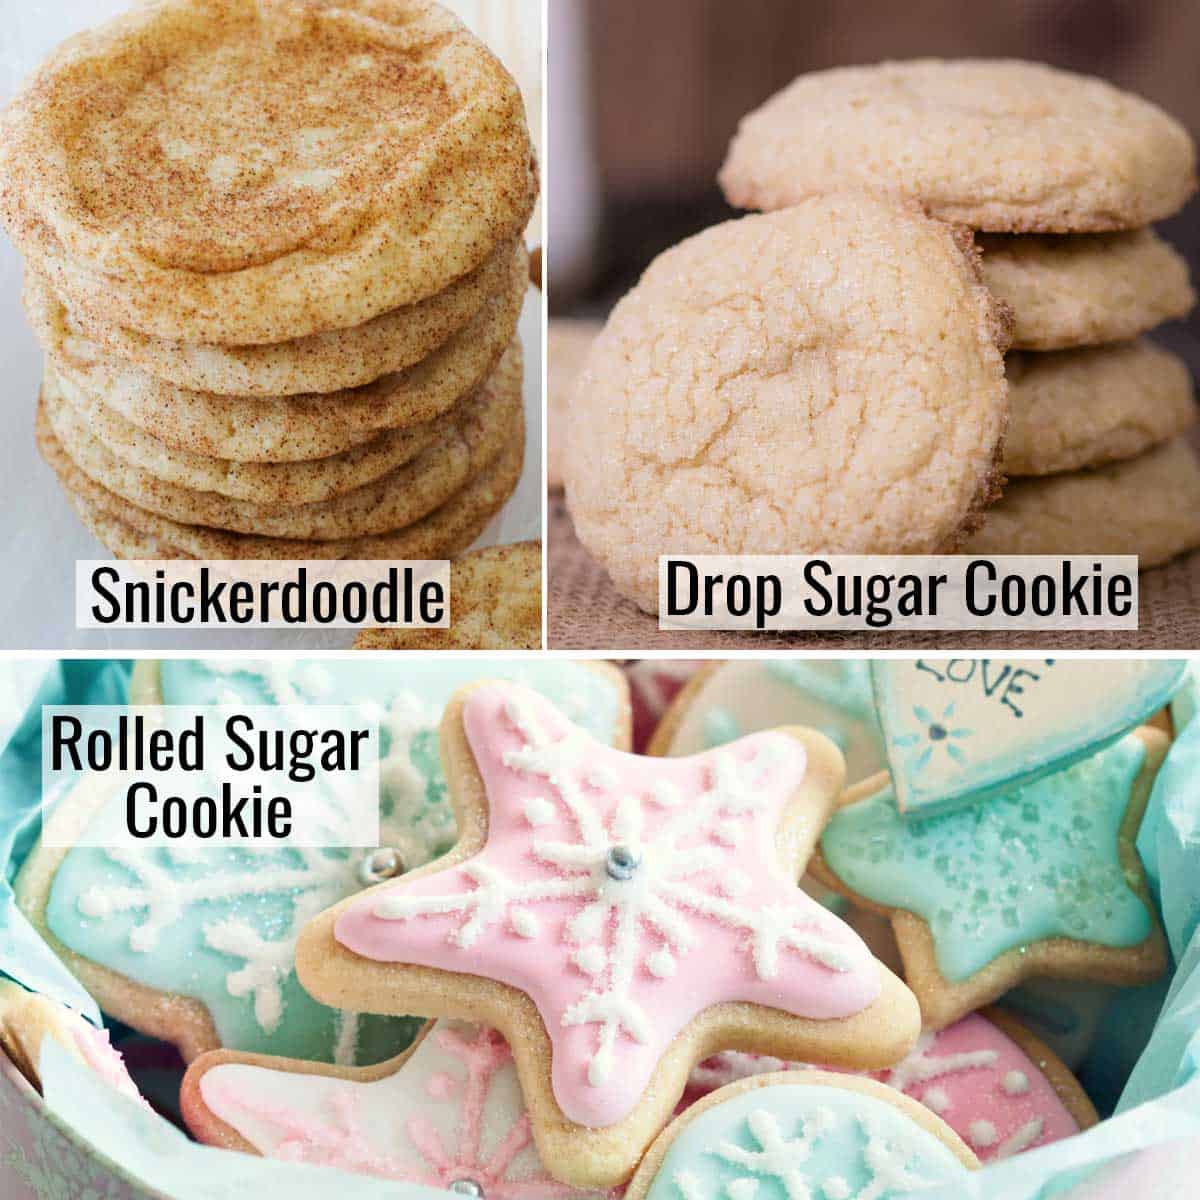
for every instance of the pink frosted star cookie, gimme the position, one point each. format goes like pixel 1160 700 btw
pixel 999 1088
pixel 447 1113
pixel 618 919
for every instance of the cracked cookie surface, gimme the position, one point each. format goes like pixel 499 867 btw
pixel 1086 408
pixel 235 172
pixel 1149 506
pixel 996 144
pixel 826 379
pixel 1067 291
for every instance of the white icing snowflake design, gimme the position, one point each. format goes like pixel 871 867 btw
pixel 160 896
pixel 654 875
pixel 787 1160
pixel 452 1113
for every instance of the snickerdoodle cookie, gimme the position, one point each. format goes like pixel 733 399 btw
pixel 1085 408
pixel 133 532
pixel 1149 506
pixel 320 363
pixel 825 379
pixel 290 428
pixel 995 144
pixel 495 604
pixel 234 172
pixel 566 349
pixel 471 438
pixel 1087 289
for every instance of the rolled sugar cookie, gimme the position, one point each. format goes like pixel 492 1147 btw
pixel 723 701
pixel 795 1135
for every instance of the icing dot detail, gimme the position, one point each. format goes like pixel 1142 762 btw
pixel 538 810
pixel 1016 1083
pixel 982 1133
pixel 936 1099
pixel 590 960
pixel 524 923
pixel 661 964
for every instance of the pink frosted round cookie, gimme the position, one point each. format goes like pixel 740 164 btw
pixel 822 380
pixel 999 1088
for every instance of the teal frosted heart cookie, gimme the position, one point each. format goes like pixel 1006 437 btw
pixel 961 729
pixel 800 1135
pixel 728 700
pixel 1041 881
pixel 197 945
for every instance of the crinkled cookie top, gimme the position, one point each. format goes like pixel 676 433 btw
pixel 352 157
pixel 999 145
pixel 825 379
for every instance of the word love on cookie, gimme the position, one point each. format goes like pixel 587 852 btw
pixel 617 919
pixel 903 592
pixel 254 776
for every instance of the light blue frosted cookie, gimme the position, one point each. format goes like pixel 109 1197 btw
pixel 197 945
pixel 1044 880
pixel 731 699
pixel 802 1136
pixel 957 730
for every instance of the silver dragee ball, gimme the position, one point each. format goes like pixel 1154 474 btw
pixel 379 865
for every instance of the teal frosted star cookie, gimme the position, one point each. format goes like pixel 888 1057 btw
pixel 1041 881
pixel 197 945
pixel 801 1135
pixel 961 728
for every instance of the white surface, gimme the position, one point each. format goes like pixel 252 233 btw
pixel 40 537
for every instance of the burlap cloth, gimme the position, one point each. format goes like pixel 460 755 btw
pixel 586 613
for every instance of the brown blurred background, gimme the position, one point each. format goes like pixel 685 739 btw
pixel 645 95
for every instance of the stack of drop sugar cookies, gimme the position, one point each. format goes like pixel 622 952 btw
pixel 1060 176
pixel 927 339
pixel 274 257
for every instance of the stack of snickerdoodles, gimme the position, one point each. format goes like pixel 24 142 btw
pixel 1062 175
pixel 274 258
